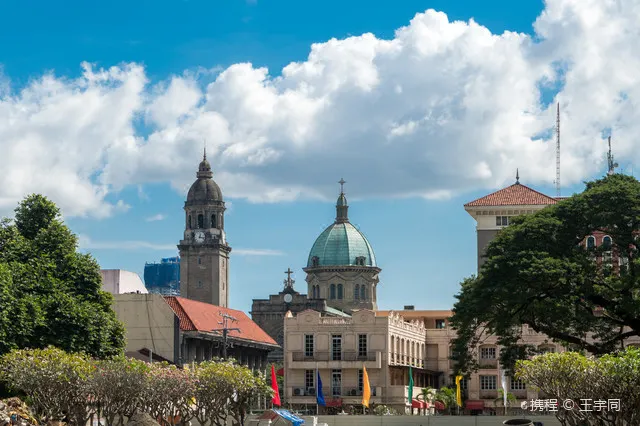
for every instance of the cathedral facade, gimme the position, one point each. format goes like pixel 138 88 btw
pixel 204 251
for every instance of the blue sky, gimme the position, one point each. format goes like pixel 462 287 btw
pixel 424 243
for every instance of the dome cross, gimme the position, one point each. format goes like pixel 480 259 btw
pixel 342 182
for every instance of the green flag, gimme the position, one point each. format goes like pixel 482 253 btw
pixel 410 386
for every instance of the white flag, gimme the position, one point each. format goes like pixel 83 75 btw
pixel 504 388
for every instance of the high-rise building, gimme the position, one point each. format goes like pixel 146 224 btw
pixel 164 277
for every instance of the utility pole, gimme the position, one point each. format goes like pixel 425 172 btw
pixel 225 331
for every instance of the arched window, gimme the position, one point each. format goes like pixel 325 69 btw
pixel 332 292
pixel 591 242
pixel 356 292
pixel 200 221
pixel 214 223
pixel 340 294
pixel 606 243
pixel 189 221
pixel 363 292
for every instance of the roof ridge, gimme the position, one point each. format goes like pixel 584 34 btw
pixel 508 192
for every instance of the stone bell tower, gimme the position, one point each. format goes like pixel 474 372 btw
pixel 204 252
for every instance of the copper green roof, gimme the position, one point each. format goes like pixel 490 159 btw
pixel 341 243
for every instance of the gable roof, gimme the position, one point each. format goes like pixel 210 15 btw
pixel 514 195
pixel 199 316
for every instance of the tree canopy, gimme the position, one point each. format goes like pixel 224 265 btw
pixel 49 293
pixel 539 273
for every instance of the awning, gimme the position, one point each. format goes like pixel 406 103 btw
pixel 474 405
pixel 288 415
pixel 284 414
pixel 417 404
pixel 334 403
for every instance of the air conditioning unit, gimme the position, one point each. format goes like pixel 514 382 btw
pixel 311 391
pixel 298 391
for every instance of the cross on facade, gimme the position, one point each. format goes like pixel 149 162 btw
pixel 342 182
pixel 288 282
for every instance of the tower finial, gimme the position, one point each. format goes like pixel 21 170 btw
pixel 517 176
pixel 341 206
pixel 288 283
pixel 204 157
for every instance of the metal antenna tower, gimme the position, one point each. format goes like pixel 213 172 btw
pixel 558 151
pixel 225 331
pixel 612 164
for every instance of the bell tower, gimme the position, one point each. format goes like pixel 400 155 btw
pixel 204 252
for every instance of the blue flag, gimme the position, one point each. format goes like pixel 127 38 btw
pixel 320 396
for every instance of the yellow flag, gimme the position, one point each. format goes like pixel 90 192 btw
pixel 366 393
pixel 458 392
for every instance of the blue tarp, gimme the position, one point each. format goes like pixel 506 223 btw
pixel 287 415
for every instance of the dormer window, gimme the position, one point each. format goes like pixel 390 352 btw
pixel 315 261
pixel 360 260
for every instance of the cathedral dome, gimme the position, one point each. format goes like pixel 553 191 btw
pixel 341 244
pixel 205 189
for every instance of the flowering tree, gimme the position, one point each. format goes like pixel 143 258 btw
pixel 117 388
pixel 598 391
pixel 247 386
pixel 169 393
pixel 57 383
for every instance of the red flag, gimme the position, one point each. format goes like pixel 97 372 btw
pixel 274 385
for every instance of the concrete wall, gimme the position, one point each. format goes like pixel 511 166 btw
pixel 117 281
pixel 418 420
pixel 149 321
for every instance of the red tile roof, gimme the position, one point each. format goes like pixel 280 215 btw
pixel 514 195
pixel 199 316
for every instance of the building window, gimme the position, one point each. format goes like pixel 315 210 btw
pixel 362 345
pixel 517 384
pixel 315 261
pixel 336 347
pixel 356 292
pixel 502 220
pixel 488 353
pixel 547 349
pixel 214 222
pixel 591 242
pixel 199 260
pixel 199 284
pixel 606 243
pixel 308 345
pixel 200 221
pixel 360 381
pixel 309 379
pixel 189 221
pixel 363 292
pixel 360 261
pixel 440 324
pixel 336 382
pixel 340 290
pixel 332 292
pixel 488 382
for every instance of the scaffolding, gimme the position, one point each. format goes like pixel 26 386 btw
pixel 164 277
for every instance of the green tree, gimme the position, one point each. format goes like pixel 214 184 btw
pixel 539 273
pixel 49 293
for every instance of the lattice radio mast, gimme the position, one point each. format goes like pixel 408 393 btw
pixel 558 151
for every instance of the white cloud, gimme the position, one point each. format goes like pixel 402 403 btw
pixel 440 108
pixel 86 243
pixel 156 217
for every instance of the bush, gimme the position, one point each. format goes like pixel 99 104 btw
pixel 572 376
pixel 73 387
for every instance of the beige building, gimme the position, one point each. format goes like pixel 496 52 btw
pixel 387 343
pixel 118 281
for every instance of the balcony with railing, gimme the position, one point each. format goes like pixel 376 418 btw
pixel 330 392
pixel 401 359
pixel 331 359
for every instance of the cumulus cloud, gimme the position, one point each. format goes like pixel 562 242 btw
pixel 86 243
pixel 440 108
pixel 156 217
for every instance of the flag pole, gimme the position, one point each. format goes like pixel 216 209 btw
pixel 316 380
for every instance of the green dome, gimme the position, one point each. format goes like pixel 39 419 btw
pixel 340 245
